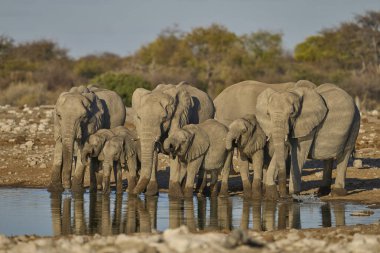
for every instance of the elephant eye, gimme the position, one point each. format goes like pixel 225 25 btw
pixel 59 116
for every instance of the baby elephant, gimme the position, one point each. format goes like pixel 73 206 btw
pixel 248 137
pixel 92 149
pixel 120 151
pixel 201 147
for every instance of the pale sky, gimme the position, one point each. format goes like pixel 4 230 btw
pixel 123 26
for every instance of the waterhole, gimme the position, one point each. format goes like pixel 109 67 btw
pixel 35 211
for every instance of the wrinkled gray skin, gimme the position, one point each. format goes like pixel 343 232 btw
pixel 250 140
pixel 120 151
pixel 321 123
pixel 158 113
pixel 201 147
pixel 92 149
pixel 78 114
pixel 239 100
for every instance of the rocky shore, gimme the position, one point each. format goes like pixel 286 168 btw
pixel 358 239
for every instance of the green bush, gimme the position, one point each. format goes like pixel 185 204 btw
pixel 124 84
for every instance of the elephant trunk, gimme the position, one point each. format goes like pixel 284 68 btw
pixel 231 137
pixel 85 154
pixel 107 169
pixel 67 159
pixel 279 135
pixel 148 144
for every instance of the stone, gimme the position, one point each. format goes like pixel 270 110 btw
pixel 358 163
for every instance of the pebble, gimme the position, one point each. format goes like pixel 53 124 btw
pixel 358 163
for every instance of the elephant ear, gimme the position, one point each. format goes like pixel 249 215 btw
pixel 95 110
pixel 184 103
pixel 199 142
pixel 262 110
pixel 311 113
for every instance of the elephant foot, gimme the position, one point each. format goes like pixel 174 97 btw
pixel 77 188
pixel 140 187
pixel 324 190
pixel 175 190
pixel 284 194
pixel 152 189
pixel 55 187
pixel 223 193
pixel 257 189
pixel 271 192
pixel 188 192
pixel 247 189
pixel 338 192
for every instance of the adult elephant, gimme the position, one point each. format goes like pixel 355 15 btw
pixel 158 113
pixel 78 114
pixel 238 100
pixel 321 123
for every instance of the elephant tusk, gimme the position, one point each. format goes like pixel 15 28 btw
pixel 268 138
pixel 286 137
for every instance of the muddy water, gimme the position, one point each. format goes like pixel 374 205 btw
pixel 35 211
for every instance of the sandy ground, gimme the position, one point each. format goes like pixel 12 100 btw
pixel 26 138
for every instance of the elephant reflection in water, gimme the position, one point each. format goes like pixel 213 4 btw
pixel 181 212
pixel 339 214
pixel 140 215
pixel 264 215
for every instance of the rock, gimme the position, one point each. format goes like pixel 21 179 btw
pixel 32 163
pixel 364 243
pixel 43 166
pixel 375 113
pixel 362 213
pixel 358 163
pixel 29 145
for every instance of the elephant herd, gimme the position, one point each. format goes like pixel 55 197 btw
pixel 274 127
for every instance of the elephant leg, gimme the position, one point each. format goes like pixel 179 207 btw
pixel 244 174
pixel 271 192
pixel 77 185
pixel 99 179
pixel 258 161
pixel 341 169
pixel 225 174
pixel 299 152
pixel 214 183
pixel 119 178
pixel 56 173
pixel 132 174
pixel 192 170
pixel 202 178
pixel 94 168
pixel 174 186
pixel 152 188
pixel 325 188
pixel 182 174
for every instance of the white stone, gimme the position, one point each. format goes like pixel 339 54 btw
pixel 358 163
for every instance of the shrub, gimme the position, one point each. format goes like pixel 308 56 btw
pixel 124 84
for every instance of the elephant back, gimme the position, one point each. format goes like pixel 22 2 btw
pixel 333 133
pixel 240 99
pixel 115 112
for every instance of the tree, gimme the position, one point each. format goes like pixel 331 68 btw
pixel 124 84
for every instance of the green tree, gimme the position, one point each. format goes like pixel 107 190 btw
pixel 124 84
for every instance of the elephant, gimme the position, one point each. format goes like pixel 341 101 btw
pixel 250 140
pixel 240 99
pixel 92 149
pixel 120 151
pixel 320 123
pixel 201 146
pixel 78 114
pixel 158 113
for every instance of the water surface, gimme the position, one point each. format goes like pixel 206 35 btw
pixel 35 211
